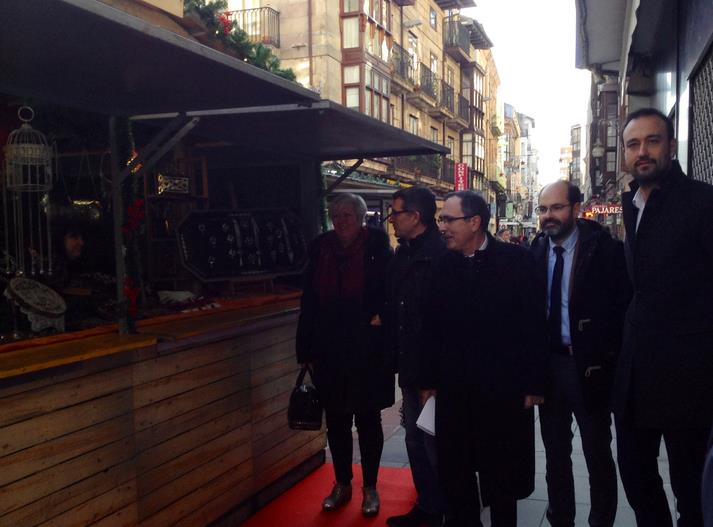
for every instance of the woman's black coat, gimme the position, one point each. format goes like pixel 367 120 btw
pixel 348 354
pixel 485 353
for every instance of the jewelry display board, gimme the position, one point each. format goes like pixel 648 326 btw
pixel 224 245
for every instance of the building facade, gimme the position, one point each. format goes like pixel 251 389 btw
pixel 419 65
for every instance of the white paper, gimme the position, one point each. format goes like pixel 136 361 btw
pixel 427 419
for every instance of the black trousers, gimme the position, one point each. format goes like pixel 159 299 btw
pixel 638 450
pixel 564 398
pixel 371 444
pixel 459 441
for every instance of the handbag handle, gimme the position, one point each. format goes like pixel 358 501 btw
pixel 301 377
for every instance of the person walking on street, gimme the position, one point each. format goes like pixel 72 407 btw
pixel 587 290
pixel 339 333
pixel 662 386
pixel 408 277
pixel 485 381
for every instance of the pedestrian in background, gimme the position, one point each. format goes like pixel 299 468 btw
pixel 503 234
pixel 486 381
pixel 408 280
pixel 583 277
pixel 663 382
pixel 340 334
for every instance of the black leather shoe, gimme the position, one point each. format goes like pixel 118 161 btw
pixel 371 504
pixel 339 496
pixel 416 517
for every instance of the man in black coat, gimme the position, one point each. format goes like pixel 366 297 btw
pixel 583 279
pixel 664 375
pixel 407 279
pixel 486 381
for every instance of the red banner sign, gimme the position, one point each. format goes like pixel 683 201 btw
pixel 460 176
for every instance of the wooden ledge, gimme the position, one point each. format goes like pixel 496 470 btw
pixel 19 362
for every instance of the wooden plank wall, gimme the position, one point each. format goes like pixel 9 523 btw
pixel 151 437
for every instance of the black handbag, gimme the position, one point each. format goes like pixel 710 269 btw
pixel 305 410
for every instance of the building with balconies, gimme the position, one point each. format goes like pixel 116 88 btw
pixel 416 64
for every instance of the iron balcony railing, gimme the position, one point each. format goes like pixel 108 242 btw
pixel 456 35
pixel 448 170
pixel 447 96
pixel 423 165
pixel 429 82
pixel 261 24
pixel 464 109
pixel 402 63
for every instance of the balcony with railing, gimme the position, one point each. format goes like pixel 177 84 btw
pixel 448 171
pixel 456 40
pixel 261 24
pixel 426 91
pixel 446 103
pixel 439 169
pixel 403 70
pixel 461 118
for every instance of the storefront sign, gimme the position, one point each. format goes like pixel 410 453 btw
pixel 461 176
pixel 607 209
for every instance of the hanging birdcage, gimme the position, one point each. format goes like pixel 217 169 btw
pixel 28 157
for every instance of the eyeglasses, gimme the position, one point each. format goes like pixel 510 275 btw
pixel 394 213
pixel 554 208
pixel 447 220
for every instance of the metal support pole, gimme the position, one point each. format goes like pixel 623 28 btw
pixel 118 207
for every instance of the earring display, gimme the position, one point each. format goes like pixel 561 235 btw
pixel 220 245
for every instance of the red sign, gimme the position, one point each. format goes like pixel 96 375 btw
pixel 460 176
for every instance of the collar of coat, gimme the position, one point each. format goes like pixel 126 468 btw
pixel 672 177
pixel 590 233
pixel 426 245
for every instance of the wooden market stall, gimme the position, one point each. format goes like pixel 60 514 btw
pixel 182 420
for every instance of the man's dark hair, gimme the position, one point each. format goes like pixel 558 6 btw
pixel 421 200
pixel 473 204
pixel 650 112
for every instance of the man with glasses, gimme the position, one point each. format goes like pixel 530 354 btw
pixel 587 291
pixel 662 386
pixel 486 381
pixel 413 218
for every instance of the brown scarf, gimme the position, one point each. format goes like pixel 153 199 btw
pixel 340 270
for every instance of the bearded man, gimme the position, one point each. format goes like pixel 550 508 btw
pixel 662 386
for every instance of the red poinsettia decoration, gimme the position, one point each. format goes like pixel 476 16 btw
pixel 226 23
pixel 131 293
pixel 135 214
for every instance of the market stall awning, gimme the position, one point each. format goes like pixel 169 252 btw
pixel 86 54
pixel 323 130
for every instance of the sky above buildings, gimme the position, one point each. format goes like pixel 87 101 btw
pixel 534 50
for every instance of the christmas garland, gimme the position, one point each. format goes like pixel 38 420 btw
pixel 234 39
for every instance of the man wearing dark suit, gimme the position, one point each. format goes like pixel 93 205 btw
pixel 664 375
pixel 486 381
pixel 587 292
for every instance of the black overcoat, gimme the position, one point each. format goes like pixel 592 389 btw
pixel 484 354
pixel 408 276
pixel 664 376
pixel 599 293
pixel 349 356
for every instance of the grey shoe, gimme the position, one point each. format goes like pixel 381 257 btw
pixel 370 505
pixel 339 496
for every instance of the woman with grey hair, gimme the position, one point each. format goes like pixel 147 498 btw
pixel 340 335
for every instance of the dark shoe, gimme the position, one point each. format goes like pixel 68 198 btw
pixel 416 517
pixel 371 504
pixel 339 496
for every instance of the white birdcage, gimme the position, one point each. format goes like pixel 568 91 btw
pixel 28 157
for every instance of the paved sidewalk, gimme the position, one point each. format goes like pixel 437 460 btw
pixel 531 512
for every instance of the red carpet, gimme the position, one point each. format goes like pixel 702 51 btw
pixel 301 506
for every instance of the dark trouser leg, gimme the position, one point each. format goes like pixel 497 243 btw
pixel 556 428
pixel 421 449
pixel 637 453
pixel 686 455
pixel 456 464
pixel 371 444
pixel 503 511
pixel 339 437
pixel 595 431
